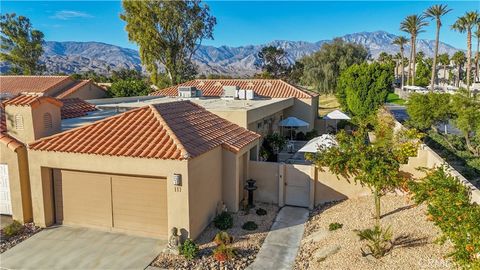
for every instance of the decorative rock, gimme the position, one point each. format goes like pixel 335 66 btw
pixel 322 254
pixel 316 236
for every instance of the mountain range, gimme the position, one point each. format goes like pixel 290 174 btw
pixel 78 57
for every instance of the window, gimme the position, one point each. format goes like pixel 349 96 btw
pixel 47 121
pixel 18 122
pixel 259 125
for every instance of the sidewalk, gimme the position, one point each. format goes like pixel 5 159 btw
pixel 281 245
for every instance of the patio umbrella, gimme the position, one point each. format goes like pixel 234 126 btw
pixel 318 143
pixel 292 122
pixel 336 115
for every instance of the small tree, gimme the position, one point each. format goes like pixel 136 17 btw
pixel 273 61
pixel 426 111
pixel 129 88
pixel 467 120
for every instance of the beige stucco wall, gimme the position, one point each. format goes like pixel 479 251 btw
pixel 205 185
pixel 19 183
pixel 266 175
pixel 88 91
pixel 40 177
pixel 33 121
pixel 306 110
pixel 59 87
pixel 236 117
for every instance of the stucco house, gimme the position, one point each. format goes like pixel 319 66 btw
pixel 60 87
pixel 141 172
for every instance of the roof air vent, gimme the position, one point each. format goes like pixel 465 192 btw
pixel 189 92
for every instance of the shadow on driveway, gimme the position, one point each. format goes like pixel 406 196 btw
pixel 81 248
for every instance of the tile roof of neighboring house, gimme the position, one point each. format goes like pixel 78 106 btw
pixel 31 100
pixel 15 85
pixel 75 107
pixel 261 87
pixel 175 130
pixel 6 139
pixel 72 88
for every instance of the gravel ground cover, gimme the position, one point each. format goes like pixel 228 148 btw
pixel 414 244
pixel 246 243
pixel 6 243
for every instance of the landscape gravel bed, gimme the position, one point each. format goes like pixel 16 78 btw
pixel 246 243
pixel 414 237
pixel 6 243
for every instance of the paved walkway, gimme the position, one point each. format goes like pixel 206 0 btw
pixel 81 248
pixel 281 245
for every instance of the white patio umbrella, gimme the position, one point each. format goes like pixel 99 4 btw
pixel 292 122
pixel 319 143
pixel 336 115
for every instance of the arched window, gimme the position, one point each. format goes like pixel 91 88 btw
pixel 47 120
pixel 18 124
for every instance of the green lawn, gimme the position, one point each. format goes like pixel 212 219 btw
pixel 395 99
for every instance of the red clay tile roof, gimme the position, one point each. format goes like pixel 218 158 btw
pixel 75 107
pixel 15 85
pixel 176 130
pixel 261 87
pixel 73 88
pixel 31 100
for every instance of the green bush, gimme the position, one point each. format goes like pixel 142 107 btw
pixel 189 249
pixel 223 253
pixel 223 221
pixel 129 88
pixel 335 226
pixel 449 207
pixel 379 241
pixel 13 229
pixel 223 238
pixel 261 212
pixel 250 226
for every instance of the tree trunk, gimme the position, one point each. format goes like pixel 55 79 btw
pixel 459 75
pixel 444 73
pixel 470 147
pixel 409 75
pixel 476 61
pixel 376 195
pixel 413 59
pixel 402 67
pixel 434 66
pixel 469 57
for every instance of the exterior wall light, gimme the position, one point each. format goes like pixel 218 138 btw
pixel 177 179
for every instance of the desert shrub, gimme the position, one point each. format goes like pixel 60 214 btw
pixel 449 207
pixel 261 212
pixel 223 253
pixel 335 226
pixel 379 241
pixel 223 221
pixel 189 249
pixel 223 238
pixel 13 229
pixel 250 226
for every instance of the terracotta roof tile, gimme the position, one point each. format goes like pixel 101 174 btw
pixel 261 87
pixel 73 88
pixel 15 85
pixel 75 107
pixel 31 100
pixel 176 130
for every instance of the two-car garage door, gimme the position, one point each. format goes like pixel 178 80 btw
pixel 124 203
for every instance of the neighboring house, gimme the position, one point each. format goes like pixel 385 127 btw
pixel 54 86
pixel 141 172
pixel 304 103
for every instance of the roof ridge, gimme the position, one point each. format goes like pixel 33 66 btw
pixel 297 88
pixel 87 125
pixel 170 132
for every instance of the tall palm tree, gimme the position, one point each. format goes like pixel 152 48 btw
pixel 436 12
pixel 444 59
pixel 413 25
pixel 459 60
pixel 477 67
pixel 401 41
pixel 465 24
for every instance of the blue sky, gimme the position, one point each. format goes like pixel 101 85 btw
pixel 241 23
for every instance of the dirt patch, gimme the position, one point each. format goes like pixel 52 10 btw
pixel 341 249
pixel 246 243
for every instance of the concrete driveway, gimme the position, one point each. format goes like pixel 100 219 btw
pixel 81 248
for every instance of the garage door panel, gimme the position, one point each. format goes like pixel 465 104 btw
pixel 85 199
pixel 140 204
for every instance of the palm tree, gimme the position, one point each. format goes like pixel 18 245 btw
pixel 413 25
pixel 436 12
pixel 459 59
pixel 444 59
pixel 477 36
pixel 401 41
pixel 465 24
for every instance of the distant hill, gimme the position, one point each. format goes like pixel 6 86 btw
pixel 74 57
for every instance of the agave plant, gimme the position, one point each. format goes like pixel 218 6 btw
pixel 379 241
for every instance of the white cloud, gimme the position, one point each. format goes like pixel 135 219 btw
pixel 70 14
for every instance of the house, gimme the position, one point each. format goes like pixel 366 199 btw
pixel 142 171
pixel 54 86
pixel 304 103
